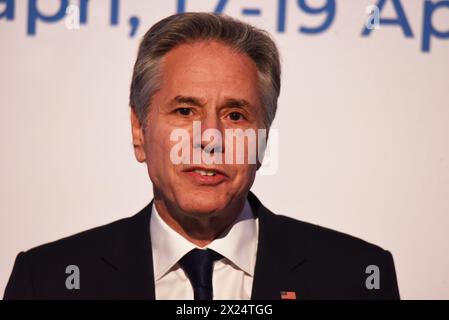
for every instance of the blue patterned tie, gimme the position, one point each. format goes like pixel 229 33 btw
pixel 198 264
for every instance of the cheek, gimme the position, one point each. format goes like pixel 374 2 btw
pixel 245 175
pixel 157 150
pixel 157 137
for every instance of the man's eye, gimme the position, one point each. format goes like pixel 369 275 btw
pixel 184 111
pixel 235 116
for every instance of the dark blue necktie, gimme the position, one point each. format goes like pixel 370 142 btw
pixel 198 264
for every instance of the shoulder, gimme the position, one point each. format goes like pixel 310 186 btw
pixel 85 241
pixel 323 263
pixel 308 236
pixel 322 238
pixel 41 272
pixel 90 244
pixel 336 264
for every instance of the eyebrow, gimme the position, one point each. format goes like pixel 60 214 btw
pixel 179 99
pixel 229 102
pixel 236 103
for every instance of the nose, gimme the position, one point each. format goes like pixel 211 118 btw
pixel 212 133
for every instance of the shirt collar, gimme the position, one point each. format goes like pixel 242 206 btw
pixel 238 243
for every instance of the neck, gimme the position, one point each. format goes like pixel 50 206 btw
pixel 202 229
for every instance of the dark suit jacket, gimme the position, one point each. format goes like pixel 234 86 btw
pixel 115 262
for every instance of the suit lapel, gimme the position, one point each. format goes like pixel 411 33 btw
pixel 129 257
pixel 277 260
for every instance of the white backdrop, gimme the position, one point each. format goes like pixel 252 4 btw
pixel 363 125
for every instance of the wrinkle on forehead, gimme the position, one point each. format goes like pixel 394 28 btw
pixel 210 68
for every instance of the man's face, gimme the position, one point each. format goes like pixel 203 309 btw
pixel 211 83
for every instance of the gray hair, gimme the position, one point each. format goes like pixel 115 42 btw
pixel 189 27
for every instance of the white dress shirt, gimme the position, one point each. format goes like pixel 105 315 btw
pixel 232 276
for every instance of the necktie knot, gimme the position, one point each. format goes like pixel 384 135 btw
pixel 198 264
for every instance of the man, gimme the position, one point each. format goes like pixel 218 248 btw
pixel 204 235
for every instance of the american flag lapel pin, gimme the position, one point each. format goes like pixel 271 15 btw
pixel 288 295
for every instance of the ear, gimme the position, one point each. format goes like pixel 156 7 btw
pixel 138 137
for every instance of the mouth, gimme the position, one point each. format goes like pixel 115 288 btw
pixel 206 176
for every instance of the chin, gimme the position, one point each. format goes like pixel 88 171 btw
pixel 197 203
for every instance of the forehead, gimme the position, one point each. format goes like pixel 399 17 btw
pixel 212 66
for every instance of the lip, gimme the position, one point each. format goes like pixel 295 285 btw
pixel 198 179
